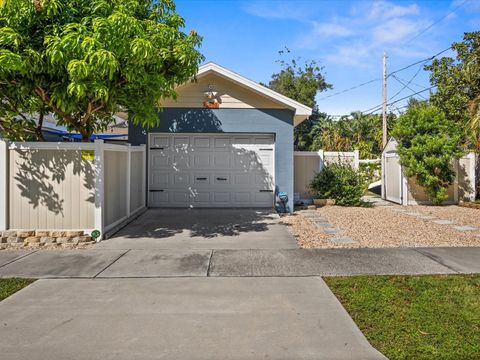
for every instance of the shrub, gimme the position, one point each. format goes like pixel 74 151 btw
pixel 340 182
pixel 428 142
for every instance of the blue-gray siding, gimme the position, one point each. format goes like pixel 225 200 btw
pixel 193 120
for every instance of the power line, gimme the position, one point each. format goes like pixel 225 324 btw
pixel 349 89
pixel 400 79
pixel 378 107
pixel 420 62
pixel 379 79
pixel 435 23
pixel 407 85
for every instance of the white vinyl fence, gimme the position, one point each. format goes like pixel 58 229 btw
pixel 396 187
pixel 74 186
pixel 308 163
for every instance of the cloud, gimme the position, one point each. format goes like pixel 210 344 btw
pixel 386 10
pixel 366 31
pixel 396 30
pixel 276 10
pixel 331 29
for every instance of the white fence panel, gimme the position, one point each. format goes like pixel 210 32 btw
pixel 74 186
pixel 308 163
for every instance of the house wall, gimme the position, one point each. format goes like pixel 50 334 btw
pixel 245 120
pixel 50 189
pixel 230 95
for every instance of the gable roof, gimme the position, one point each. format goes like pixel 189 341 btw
pixel 301 111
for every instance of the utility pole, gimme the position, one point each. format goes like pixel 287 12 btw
pixel 384 123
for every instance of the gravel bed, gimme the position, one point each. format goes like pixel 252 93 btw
pixel 384 227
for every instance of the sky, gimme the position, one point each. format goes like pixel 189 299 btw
pixel 347 38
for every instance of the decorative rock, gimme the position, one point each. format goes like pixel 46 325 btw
pixel 42 233
pixel 325 225
pixel 14 240
pixel 465 228
pixel 58 233
pixel 8 233
pixel 332 231
pixel 25 233
pixel 63 239
pixel 343 240
pixel 443 222
pixel 82 239
pixel 32 239
pixel 47 240
pixel 3 240
pixel 74 233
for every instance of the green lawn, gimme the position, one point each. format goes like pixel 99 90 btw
pixel 415 317
pixel 10 286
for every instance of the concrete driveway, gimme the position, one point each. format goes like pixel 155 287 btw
pixel 179 318
pixel 203 229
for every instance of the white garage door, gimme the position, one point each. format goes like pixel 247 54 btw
pixel 211 170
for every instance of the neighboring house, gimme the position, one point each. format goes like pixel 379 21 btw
pixel 226 141
pixel 53 132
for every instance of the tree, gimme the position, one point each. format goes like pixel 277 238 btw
pixel 301 82
pixel 83 60
pixel 458 86
pixel 428 142
pixel 356 131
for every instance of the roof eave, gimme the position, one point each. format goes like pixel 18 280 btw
pixel 299 109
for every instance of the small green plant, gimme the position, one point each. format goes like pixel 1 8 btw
pixel 340 182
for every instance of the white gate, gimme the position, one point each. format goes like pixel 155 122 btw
pixel 393 177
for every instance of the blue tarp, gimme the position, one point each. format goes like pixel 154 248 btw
pixel 79 137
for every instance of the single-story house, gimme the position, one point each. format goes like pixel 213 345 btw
pixel 226 141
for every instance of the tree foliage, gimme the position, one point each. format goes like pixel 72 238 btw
pixel 300 82
pixel 458 86
pixel 83 60
pixel 428 142
pixel 355 132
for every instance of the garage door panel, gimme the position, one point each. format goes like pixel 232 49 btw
pixel 160 141
pixel 159 198
pixel 221 179
pixel 202 160
pixel 201 142
pixel 201 197
pixel 181 161
pixel 221 142
pixel 160 159
pixel 264 197
pixel 222 160
pixel 181 179
pixel 181 197
pixel 221 197
pixel 201 179
pixel 242 197
pixel 227 170
pixel 181 141
pixel 159 179
pixel 242 179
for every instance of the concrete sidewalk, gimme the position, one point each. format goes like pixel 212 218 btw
pixel 105 263
pixel 179 318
